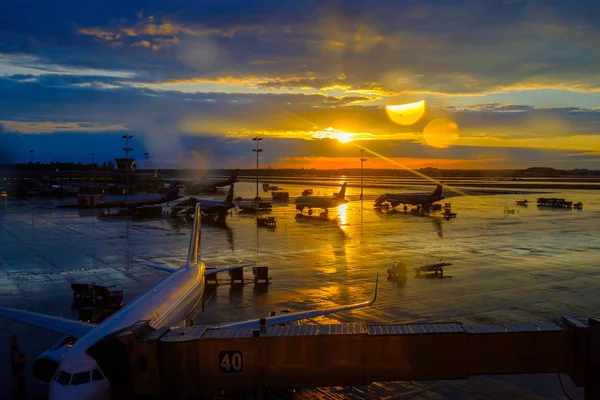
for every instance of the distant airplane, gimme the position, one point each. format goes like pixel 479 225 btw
pixel 412 199
pixel 208 183
pixel 71 367
pixel 140 199
pixel 217 206
pixel 187 206
pixel 322 202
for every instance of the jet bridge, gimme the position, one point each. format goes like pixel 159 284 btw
pixel 186 362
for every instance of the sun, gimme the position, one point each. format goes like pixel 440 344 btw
pixel 332 133
pixel 343 137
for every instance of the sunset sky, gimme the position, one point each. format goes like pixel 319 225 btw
pixel 517 80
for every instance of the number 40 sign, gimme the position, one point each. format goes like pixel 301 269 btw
pixel 231 362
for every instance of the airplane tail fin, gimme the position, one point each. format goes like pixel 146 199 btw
pixel 380 200
pixel 234 176
pixel 194 251
pixel 172 192
pixel 342 192
pixel 438 190
pixel 229 198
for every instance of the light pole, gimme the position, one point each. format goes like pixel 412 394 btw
pixel 257 150
pixel 31 156
pixel 362 160
pixel 146 159
pixel 127 167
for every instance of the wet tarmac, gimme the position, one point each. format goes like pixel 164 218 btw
pixel 530 266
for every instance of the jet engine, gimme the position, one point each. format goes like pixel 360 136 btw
pixel 45 366
pixel 380 200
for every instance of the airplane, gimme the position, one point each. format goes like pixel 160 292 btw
pixel 208 183
pixel 140 199
pixel 72 372
pixel 420 200
pixel 322 202
pixel 209 207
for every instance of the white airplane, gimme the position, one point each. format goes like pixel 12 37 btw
pixel 322 202
pixel 68 367
pixel 207 183
pixel 140 199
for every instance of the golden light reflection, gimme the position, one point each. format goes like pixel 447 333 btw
pixel 342 216
pixel 406 114
pixel 440 133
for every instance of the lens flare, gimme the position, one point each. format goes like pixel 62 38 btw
pixel 440 133
pixel 406 114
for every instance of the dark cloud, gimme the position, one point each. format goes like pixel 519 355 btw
pixel 465 46
pixel 96 66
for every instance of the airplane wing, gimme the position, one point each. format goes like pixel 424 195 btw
pixel 215 270
pixel 287 318
pixel 161 268
pixel 65 326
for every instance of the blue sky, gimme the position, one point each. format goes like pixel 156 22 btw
pixel 194 81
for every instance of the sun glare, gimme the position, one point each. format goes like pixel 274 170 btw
pixel 332 133
pixel 343 137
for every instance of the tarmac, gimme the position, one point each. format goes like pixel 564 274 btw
pixel 530 266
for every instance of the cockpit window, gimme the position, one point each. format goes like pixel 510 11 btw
pixel 97 375
pixel 63 378
pixel 80 378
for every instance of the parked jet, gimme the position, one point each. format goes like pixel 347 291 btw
pixel 412 199
pixel 209 207
pixel 71 367
pixel 322 202
pixel 140 199
pixel 208 183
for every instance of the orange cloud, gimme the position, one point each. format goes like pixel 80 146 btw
pixel 376 163
pixel 141 43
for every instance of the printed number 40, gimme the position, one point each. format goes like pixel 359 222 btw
pixel 231 362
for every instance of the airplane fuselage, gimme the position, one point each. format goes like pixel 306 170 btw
pixel 319 202
pixel 166 304
pixel 215 206
pixel 138 200
pixel 213 182
pixel 412 199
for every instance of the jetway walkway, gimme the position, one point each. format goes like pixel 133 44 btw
pixel 186 362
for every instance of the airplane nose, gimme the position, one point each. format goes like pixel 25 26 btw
pixel 56 392
pixel 83 392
